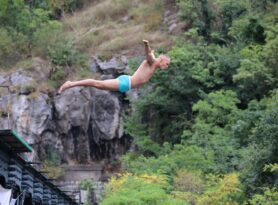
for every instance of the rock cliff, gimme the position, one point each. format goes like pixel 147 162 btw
pixel 80 125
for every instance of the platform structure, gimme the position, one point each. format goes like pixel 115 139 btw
pixel 32 187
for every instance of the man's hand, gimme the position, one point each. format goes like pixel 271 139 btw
pixel 149 52
pixel 146 42
pixel 147 46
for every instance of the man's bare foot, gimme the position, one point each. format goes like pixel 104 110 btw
pixel 65 86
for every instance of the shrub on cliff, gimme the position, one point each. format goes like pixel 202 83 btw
pixel 139 190
pixel 25 30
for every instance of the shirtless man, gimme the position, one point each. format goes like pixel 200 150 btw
pixel 124 83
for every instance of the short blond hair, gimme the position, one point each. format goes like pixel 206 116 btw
pixel 165 57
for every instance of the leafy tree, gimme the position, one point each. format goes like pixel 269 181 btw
pixel 254 77
pixel 268 197
pixel 261 149
pixel 218 108
pixel 64 54
pixel 211 131
pixel 181 157
pixel 27 29
pixel 6 43
pixel 185 181
pixel 220 93
pixel 226 192
pixel 199 13
pixel 137 190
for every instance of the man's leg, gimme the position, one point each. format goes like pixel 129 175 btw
pixel 111 84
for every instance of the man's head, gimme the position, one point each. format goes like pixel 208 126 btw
pixel 163 61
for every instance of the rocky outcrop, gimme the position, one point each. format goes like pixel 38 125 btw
pixel 113 66
pixel 171 19
pixel 78 126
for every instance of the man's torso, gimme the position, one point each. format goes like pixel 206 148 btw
pixel 142 74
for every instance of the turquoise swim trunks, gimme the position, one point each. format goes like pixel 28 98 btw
pixel 124 83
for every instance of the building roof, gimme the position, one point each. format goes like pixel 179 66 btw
pixel 14 141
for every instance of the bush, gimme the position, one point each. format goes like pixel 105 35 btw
pixel 268 197
pixel 58 75
pixel 54 170
pixel 87 184
pixel 226 192
pixel 26 30
pixel 138 190
pixel 6 43
pixel 181 157
pixel 58 7
pixel 64 54
pixel 49 34
pixel 186 181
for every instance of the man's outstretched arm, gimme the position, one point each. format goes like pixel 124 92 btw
pixel 149 53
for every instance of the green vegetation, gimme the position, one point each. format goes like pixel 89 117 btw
pixel 143 189
pixel 64 54
pixel 205 131
pixel 87 184
pixel 32 28
pixel 25 29
pixel 52 164
pixel 54 171
pixel 209 124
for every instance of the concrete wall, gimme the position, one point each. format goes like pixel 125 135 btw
pixel 74 174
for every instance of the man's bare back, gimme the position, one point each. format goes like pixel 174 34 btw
pixel 124 82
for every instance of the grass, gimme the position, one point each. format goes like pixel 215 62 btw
pixel 26 63
pixel 101 30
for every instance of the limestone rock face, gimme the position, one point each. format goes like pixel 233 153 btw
pixel 171 19
pixel 112 66
pixel 80 125
pixel 105 112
